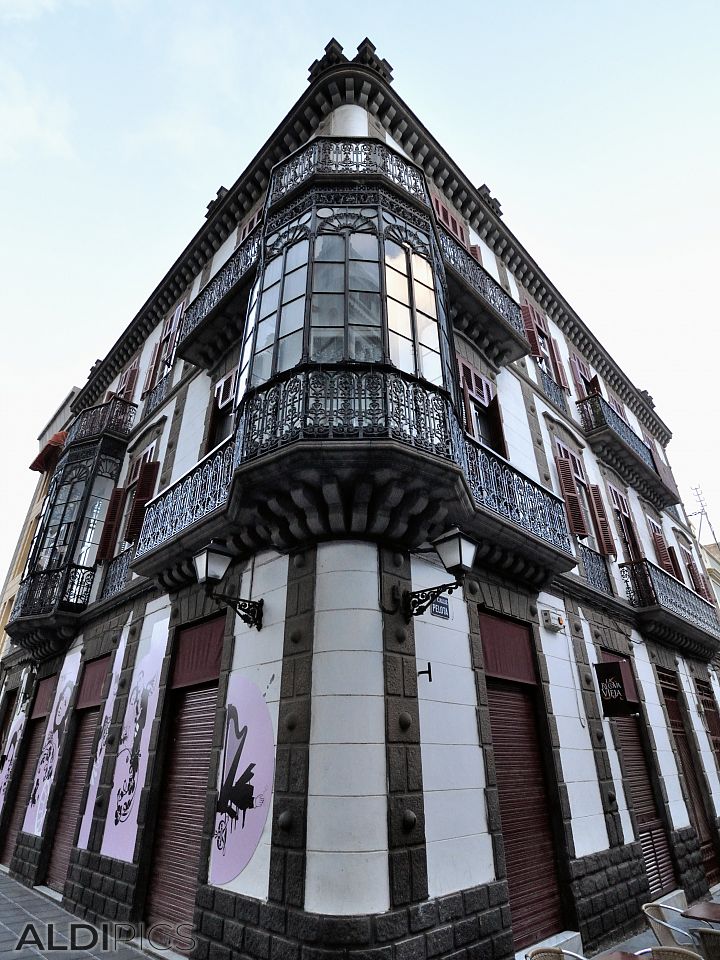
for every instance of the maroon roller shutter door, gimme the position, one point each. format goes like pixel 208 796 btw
pixel 178 834
pixel 696 805
pixel 69 814
pixel 34 733
pixel 636 779
pixel 535 902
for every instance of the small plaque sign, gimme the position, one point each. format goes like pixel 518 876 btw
pixel 441 608
pixel 617 688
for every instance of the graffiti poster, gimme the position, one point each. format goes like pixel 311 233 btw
pixel 14 737
pixel 245 780
pixel 132 757
pixel 101 743
pixel 52 745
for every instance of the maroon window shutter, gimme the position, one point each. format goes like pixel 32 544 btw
pixel 129 392
pixel 143 492
pixel 677 569
pixel 577 378
pixel 698 581
pixel 607 544
pixel 44 697
pixel 106 547
pixel 568 488
pixel 528 315
pixel 152 369
pixel 496 425
pixel 507 649
pixel 560 376
pixel 593 388
pixel 466 380
pixel 661 552
pixel 198 652
pixel 92 683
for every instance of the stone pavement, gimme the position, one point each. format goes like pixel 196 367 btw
pixel 20 906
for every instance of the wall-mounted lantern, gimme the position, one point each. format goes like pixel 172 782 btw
pixel 211 565
pixel 457 554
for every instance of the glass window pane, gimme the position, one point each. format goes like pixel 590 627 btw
pixel 242 381
pixel 397 285
pixel 399 318
pixel 329 277
pixel 296 256
pixel 431 368
pixel 365 344
pixel 327 310
pixel 425 299
pixel 364 308
pixel 289 351
pixel 422 270
pixel 272 272
pixel 262 366
pixel 265 333
pixel 326 345
pixel 364 275
pixel 295 284
pixel 395 256
pixel 269 300
pixel 428 331
pixel 401 353
pixel 292 316
pixel 363 246
pixel 329 246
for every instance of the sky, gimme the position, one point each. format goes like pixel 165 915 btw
pixel 596 125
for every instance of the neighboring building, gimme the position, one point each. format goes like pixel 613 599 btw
pixel 351 357
pixel 51 442
pixel 711 559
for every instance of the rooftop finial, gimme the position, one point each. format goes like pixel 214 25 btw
pixel 367 56
pixel 333 55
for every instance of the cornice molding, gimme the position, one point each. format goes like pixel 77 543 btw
pixel 365 81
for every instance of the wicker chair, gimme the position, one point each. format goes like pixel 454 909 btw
pixel 709 940
pixel 667 935
pixel 668 953
pixel 556 953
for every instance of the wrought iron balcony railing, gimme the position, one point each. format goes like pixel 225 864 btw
pixel 649 586
pixel 595 569
pixel 324 404
pixel 596 413
pixel 157 395
pixel 553 391
pixel 117 574
pixel 347 157
pixel 116 416
pixel 67 588
pixel 476 277
pixel 225 280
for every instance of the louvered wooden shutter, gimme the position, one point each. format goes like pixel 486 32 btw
pixel 560 376
pixel 605 537
pixel 677 569
pixel 593 388
pixel 152 369
pixel 698 580
pixel 661 551
pixel 528 315
pixel 466 380
pixel 109 534
pixel 577 378
pixel 496 426
pixel 568 488
pixel 143 492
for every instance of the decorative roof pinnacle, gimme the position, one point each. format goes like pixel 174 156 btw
pixel 366 57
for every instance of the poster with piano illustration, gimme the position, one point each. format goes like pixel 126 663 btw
pixel 245 780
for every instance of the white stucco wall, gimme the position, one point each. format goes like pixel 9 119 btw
pixel 459 847
pixel 347 842
pixel 193 426
pixel 515 424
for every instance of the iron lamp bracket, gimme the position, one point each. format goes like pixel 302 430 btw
pixel 415 602
pixel 249 611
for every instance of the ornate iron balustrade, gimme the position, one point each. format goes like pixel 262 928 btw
pixel 648 586
pixel 596 412
pixel 339 404
pixel 116 416
pixel 195 495
pixel 68 588
pixel 553 391
pixel 227 277
pixel 481 282
pixel 117 574
pixel 157 395
pixel 596 570
pixel 348 157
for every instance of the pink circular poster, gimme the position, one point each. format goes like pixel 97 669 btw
pixel 245 781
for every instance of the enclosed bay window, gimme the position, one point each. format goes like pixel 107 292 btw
pixel 347 285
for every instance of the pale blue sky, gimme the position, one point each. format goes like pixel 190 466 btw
pixel 595 124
